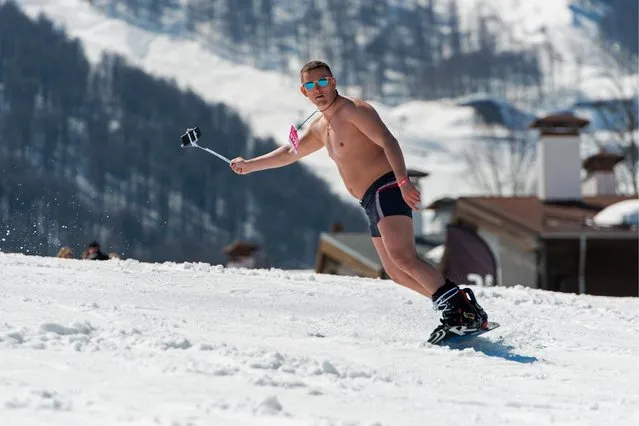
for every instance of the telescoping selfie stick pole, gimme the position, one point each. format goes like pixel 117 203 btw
pixel 191 137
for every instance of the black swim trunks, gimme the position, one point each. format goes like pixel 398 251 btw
pixel 384 198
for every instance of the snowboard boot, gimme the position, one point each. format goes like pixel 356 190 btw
pixel 461 314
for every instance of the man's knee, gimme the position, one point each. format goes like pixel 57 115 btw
pixel 403 259
pixel 394 274
pixel 397 276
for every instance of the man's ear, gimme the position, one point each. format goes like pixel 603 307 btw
pixel 303 90
pixel 333 83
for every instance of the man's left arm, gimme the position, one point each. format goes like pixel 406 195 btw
pixel 368 121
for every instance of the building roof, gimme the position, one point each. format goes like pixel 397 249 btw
pixel 440 203
pixel 544 218
pixel 357 244
pixel 559 124
pixel 240 248
pixel 603 162
pixel 560 119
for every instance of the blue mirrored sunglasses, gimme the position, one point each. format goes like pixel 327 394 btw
pixel 322 82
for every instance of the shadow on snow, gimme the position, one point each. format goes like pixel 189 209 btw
pixel 496 349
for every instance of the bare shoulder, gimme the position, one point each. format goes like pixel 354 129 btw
pixel 360 103
pixel 355 103
pixel 354 107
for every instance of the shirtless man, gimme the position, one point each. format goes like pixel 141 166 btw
pixel 371 164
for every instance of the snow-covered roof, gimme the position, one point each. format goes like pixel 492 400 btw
pixel 621 213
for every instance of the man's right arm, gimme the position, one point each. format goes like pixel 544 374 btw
pixel 279 157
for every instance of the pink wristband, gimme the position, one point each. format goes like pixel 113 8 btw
pixel 402 182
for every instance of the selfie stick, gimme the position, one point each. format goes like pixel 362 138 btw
pixel 191 137
pixel 210 151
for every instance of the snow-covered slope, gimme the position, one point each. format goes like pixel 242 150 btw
pixel 122 342
pixel 431 133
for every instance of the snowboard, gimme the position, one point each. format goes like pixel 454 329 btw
pixel 458 334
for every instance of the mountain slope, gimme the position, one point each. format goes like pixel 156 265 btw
pixel 429 131
pixel 89 153
pixel 432 134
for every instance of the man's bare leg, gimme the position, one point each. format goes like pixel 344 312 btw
pixel 395 273
pixel 458 309
pixel 399 241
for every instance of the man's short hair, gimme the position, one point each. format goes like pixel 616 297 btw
pixel 312 65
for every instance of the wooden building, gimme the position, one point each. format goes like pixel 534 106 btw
pixel 551 241
pixel 555 245
pixel 242 254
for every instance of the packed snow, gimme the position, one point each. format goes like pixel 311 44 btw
pixel 124 342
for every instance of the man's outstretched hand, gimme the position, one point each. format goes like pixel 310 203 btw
pixel 411 195
pixel 240 166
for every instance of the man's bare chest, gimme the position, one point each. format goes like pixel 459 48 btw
pixel 343 140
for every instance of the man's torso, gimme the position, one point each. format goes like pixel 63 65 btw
pixel 360 161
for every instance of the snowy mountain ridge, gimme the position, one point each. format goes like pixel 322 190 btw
pixel 432 133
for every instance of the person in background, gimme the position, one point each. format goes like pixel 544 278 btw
pixel 93 252
pixel 65 253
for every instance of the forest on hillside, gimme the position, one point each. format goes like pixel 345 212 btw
pixel 387 50
pixel 94 153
